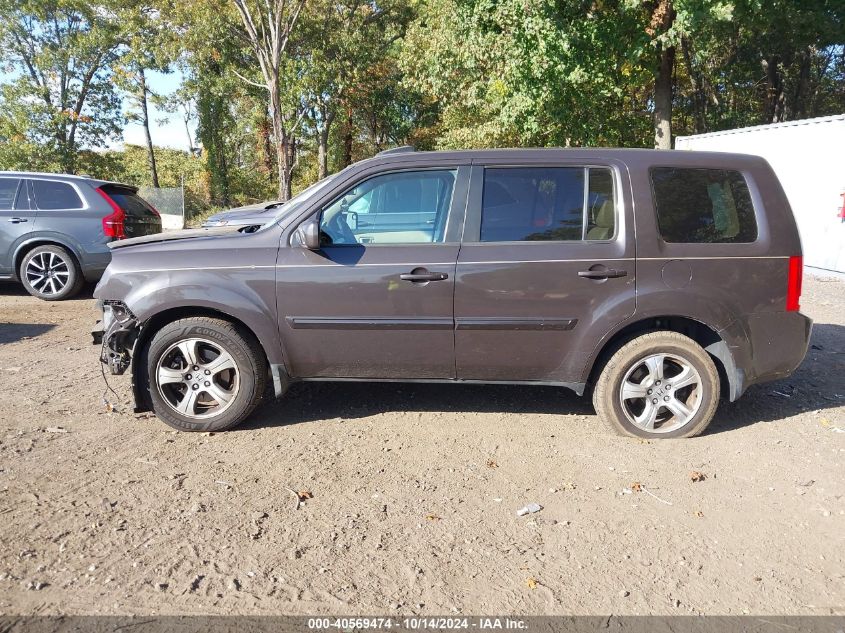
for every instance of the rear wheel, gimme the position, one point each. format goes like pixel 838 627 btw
pixel 659 385
pixel 204 374
pixel 51 273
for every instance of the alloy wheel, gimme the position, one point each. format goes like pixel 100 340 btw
pixel 661 393
pixel 197 378
pixel 47 273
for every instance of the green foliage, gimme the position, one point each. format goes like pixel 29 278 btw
pixel 61 97
pixel 541 72
pixel 355 77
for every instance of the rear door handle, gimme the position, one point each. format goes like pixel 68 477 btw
pixel 17 220
pixel 607 273
pixel 423 276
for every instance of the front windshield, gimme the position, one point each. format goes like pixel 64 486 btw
pixel 294 203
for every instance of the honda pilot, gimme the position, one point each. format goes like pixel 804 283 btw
pixel 656 281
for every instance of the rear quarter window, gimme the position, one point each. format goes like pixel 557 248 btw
pixel 51 194
pixel 697 205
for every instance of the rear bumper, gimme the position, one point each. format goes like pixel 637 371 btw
pixel 767 346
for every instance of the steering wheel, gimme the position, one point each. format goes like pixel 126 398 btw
pixel 340 229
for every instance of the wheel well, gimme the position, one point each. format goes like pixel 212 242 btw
pixel 702 334
pixel 158 321
pixel 26 248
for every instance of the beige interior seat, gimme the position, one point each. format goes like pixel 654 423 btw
pixel 604 220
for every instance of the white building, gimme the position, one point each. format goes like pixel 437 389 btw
pixel 809 158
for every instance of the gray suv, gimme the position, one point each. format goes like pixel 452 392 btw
pixel 657 281
pixel 55 229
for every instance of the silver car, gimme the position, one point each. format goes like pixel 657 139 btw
pixel 249 215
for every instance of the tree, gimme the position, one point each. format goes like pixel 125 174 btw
pixel 267 29
pixel 338 68
pixel 537 72
pixel 145 48
pixel 662 20
pixel 62 97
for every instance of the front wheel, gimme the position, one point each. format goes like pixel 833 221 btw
pixel 204 374
pixel 659 385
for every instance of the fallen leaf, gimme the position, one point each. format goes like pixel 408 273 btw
pixel 637 486
pixel 492 464
pixel 699 513
pixel 304 494
pixel 696 476
pixel 432 517
pixel 531 583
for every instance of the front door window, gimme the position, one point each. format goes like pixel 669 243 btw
pixel 410 207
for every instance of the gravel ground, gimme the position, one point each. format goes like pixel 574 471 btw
pixel 414 490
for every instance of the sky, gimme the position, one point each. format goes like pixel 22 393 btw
pixel 169 133
pixel 166 129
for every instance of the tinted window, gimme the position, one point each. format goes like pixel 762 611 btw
pixel 22 201
pixel 547 204
pixel 129 201
pixel 703 205
pixel 8 188
pixel 398 208
pixel 50 194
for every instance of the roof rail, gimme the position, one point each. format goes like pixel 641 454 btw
pixel 398 150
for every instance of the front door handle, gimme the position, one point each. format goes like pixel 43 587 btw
pixel 421 275
pixel 17 220
pixel 606 273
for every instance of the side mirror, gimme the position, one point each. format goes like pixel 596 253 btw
pixel 308 234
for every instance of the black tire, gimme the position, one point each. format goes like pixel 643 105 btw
pixel 62 267
pixel 250 370
pixel 608 398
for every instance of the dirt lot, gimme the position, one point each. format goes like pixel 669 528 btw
pixel 415 490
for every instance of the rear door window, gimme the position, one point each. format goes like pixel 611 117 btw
pixel 8 189
pixel 131 203
pixel 547 204
pixel 703 205
pixel 51 194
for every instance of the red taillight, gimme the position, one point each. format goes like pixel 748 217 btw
pixel 113 224
pixel 793 284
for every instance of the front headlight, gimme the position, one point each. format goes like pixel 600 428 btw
pixel 116 311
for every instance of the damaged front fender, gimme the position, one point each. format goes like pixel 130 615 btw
pixel 117 333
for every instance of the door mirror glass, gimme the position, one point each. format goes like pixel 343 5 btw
pixel 308 234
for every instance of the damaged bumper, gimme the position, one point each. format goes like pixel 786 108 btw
pixel 117 333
